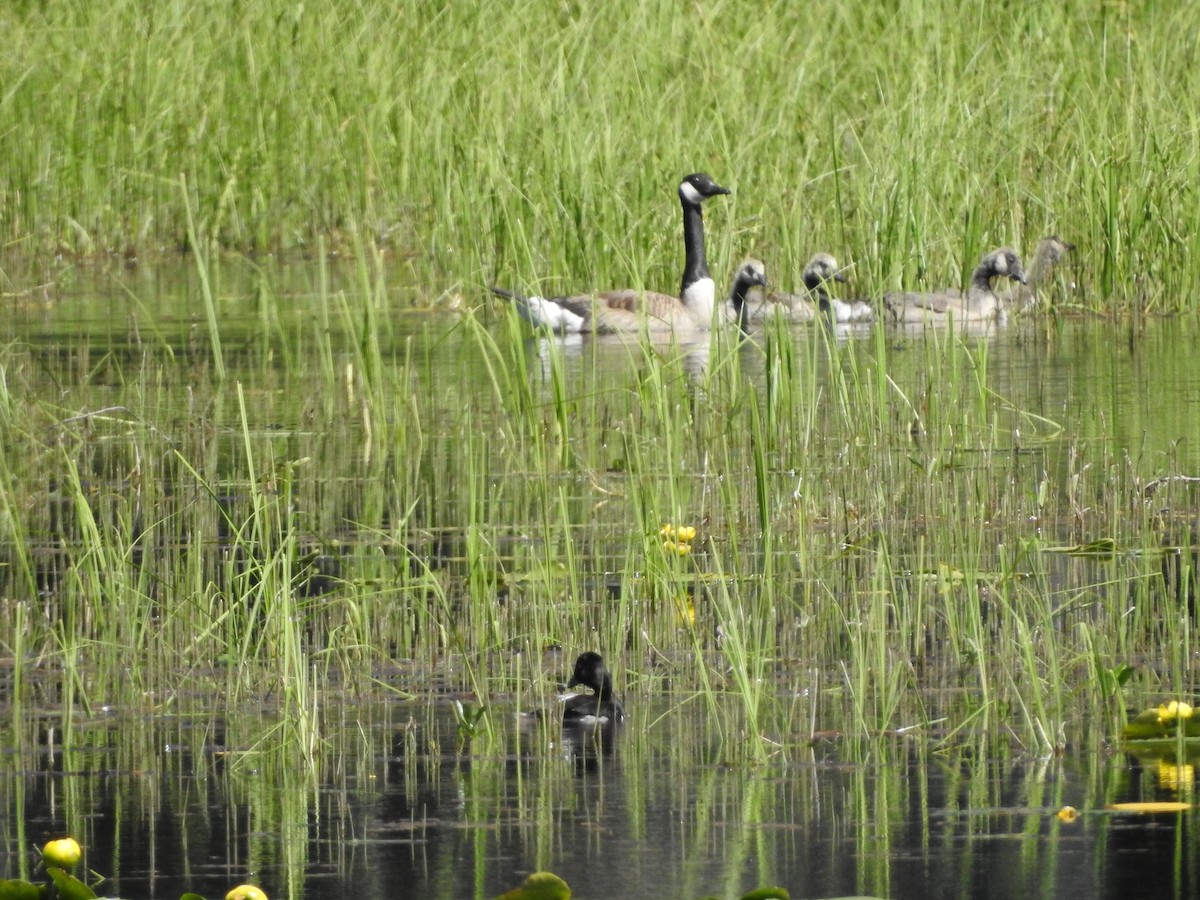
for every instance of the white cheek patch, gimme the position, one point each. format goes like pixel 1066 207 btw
pixel 689 193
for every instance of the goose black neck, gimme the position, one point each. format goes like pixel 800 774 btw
pixel 822 297
pixel 740 289
pixel 695 264
pixel 982 279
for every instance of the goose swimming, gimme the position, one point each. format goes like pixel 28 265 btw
pixel 981 303
pixel 630 310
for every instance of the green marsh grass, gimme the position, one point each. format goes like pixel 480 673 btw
pixel 876 516
pixel 513 143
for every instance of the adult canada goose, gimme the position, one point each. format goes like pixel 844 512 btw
pixel 631 310
pixel 821 269
pixel 981 304
pixel 602 706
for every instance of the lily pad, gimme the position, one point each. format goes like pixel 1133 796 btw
pixel 539 886
pixel 1167 720
pixel 69 887
pixel 15 889
pixel 1159 806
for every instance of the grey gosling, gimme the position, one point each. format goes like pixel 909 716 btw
pixel 1048 254
pixel 821 270
pixel 752 274
pixel 981 303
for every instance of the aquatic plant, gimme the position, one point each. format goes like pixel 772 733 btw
pixel 64 853
pixel 539 886
pixel 1166 720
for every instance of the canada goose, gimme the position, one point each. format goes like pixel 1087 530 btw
pixel 1048 253
pixel 602 706
pixel 981 304
pixel 632 310
pixel 752 274
pixel 821 269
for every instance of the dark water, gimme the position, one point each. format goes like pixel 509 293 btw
pixel 663 807
pixel 649 811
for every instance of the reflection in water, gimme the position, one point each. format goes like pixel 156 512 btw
pixel 173 813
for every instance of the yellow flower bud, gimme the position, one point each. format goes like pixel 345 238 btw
pixel 246 892
pixel 63 853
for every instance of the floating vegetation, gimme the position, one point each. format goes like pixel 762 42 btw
pixel 1151 807
pixel 1164 721
pixel 61 855
pixel 539 886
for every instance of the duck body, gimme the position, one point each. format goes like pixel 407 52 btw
pixel 981 303
pixel 626 311
pixel 600 707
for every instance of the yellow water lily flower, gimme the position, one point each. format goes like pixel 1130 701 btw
pixel 246 892
pixel 682 533
pixel 1068 814
pixel 63 853
pixel 673 547
pixel 1174 711
pixel 685 611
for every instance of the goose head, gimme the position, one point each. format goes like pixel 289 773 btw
pixel 751 274
pixel 698 187
pixel 1003 262
pixel 822 268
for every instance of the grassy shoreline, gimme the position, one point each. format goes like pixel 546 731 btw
pixel 541 144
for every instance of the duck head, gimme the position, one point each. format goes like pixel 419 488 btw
pixel 591 672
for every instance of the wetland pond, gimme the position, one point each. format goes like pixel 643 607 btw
pixel 264 559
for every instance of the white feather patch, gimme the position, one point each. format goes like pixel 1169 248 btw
pixel 689 193
pixel 700 298
pixel 548 314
